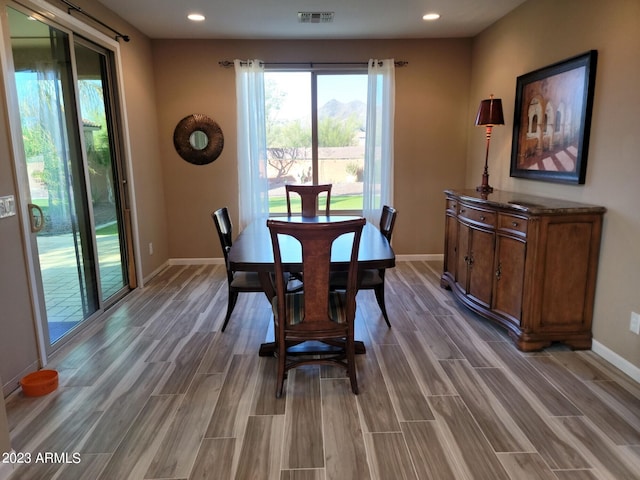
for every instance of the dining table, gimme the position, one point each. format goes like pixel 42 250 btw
pixel 252 252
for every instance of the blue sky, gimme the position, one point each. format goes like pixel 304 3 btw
pixel 297 85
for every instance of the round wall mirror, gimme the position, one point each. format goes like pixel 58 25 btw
pixel 198 139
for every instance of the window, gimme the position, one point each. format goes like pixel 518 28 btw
pixel 315 129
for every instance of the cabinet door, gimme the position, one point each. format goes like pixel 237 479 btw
pixel 509 277
pixel 462 258
pixel 481 254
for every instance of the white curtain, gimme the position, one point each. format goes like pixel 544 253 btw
pixel 253 185
pixel 378 171
pixel 55 155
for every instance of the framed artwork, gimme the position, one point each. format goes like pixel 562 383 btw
pixel 552 119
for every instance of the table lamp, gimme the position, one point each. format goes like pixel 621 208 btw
pixel 489 114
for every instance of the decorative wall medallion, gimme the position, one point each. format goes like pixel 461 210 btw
pixel 198 139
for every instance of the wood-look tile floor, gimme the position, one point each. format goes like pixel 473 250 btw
pixel 156 391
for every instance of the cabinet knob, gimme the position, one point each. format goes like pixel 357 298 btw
pixel 499 271
pixel 462 210
pixel 515 224
pixel 482 218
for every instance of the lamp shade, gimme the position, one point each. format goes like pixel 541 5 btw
pixel 490 112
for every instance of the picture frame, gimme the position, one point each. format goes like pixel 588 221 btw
pixel 552 121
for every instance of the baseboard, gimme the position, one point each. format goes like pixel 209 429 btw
pixel 6 469
pixel 616 360
pixel 14 383
pixel 148 278
pixel 196 261
pixel 421 257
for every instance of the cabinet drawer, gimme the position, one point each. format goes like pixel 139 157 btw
pixel 512 223
pixel 477 215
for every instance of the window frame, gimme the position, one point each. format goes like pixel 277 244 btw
pixel 315 72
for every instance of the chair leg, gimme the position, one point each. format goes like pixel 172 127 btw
pixel 379 291
pixel 351 364
pixel 282 360
pixel 233 297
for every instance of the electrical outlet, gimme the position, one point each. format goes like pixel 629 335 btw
pixel 150 248
pixel 634 325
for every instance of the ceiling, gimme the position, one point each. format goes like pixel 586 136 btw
pixel 278 19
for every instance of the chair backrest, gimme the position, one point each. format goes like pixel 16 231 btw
pixel 387 221
pixel 316 240
pixel 224 227
pixel 309 195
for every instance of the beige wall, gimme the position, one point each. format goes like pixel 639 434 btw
pixel 430 130
pixel 542 32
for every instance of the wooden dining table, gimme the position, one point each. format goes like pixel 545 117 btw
pixel 252 252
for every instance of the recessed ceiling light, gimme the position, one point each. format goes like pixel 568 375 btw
pixel 431 16
pixel 195 17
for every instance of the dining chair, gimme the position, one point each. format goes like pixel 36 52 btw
pixel 237 282
pixel 372 279
pixel 309 196
pixel 315 313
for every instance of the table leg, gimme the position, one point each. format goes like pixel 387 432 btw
pixel 267 285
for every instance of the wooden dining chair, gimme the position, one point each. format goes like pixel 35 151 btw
pixel 237 282
pixel 309 196
pixel 315 313
pixel 372 279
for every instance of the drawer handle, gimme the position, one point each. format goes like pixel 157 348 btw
pixel 468 259
pixel 462 210
pixel 482 218
pixel 515 224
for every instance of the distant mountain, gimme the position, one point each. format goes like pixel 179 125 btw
pixel 334 108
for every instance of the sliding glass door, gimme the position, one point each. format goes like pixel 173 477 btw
pixel 66 103
pixel 99 144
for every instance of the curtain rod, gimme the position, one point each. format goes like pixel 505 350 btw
pixel 80 10
pixel 229 63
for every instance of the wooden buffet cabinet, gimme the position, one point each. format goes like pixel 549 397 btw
pixel 528 263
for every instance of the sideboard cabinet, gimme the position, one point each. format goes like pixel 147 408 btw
pixel 528 263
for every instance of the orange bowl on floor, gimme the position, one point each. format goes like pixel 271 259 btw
pixel 39 383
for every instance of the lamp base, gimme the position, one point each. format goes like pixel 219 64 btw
pixel 484 189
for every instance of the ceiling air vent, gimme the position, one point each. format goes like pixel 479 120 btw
pixel 315 17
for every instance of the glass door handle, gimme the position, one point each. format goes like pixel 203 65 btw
pixel 37 218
